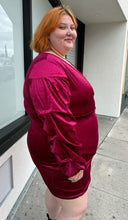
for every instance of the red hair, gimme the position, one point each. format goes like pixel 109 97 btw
pixel 50 21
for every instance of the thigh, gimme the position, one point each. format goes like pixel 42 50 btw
pixel 52 205
pixel 50 199
pixel 75 206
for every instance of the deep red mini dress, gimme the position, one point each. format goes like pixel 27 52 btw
pixel 63 135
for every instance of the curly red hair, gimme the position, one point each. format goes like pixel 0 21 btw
pixel 50 21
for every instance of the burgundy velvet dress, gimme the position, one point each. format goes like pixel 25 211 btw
pixel 63 135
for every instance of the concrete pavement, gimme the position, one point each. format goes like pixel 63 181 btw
pixel 108 191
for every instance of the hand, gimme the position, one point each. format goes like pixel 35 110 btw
pixel 77 176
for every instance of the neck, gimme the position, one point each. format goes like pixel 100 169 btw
pixel 57 53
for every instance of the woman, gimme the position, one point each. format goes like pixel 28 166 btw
pixel 63 135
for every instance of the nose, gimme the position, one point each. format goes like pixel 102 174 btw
pixel 69 31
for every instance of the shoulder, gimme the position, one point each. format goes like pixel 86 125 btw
pixel 44 65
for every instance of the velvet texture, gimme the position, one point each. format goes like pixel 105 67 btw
pixel 63 135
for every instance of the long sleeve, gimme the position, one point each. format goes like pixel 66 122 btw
pixel 51 100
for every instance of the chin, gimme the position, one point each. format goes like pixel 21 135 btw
pixel 68 49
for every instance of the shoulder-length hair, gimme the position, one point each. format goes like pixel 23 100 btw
pixel 50 21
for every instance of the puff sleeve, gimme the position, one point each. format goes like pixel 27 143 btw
pixel 51 100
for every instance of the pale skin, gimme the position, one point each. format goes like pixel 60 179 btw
pixel 62 40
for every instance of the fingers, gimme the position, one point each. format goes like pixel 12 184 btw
pixel 76 177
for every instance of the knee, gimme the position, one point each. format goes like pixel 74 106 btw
pixel 84 206
pixel 78 210
pixel 74 209
pixel 81 208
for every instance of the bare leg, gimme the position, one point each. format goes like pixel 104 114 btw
pixel 52 205
pixel 72 209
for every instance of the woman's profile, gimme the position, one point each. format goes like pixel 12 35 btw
pixel 63 135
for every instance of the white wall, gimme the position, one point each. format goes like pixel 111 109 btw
pixel 124 6
pixel 22 169
pixel 22 163
pixel 104 64
pixel 39 8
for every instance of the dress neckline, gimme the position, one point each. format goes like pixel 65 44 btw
pixel 64 60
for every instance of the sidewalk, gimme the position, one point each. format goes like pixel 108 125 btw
pixel 108 191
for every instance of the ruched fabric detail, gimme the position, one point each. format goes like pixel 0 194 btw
pixel 51 101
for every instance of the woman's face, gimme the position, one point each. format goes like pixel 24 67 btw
pixel 63 37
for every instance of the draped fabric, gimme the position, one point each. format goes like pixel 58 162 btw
pixel 60 103
pixel 51 100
